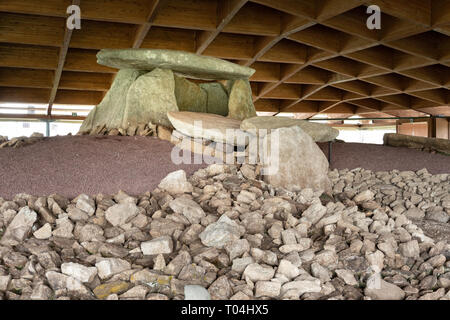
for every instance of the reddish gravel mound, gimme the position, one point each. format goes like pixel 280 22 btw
pixel 73 165
pixel 384 158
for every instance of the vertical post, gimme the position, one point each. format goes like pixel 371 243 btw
pixel 47 127
pixel 330 143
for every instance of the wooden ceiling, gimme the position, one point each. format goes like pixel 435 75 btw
pixel 311 56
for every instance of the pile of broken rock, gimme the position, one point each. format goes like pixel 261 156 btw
pixel 20 141
pixel 237 237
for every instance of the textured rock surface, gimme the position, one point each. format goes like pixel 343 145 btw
pixel 184 63
pixel 149 99
pixel 244 239
pixel 19 228
pixel 190 96
pixel 110 112
pixel 217 98
pixel 176 182
pixel 298 164
pixel 208 126
pixel 318 132
pixel 240 102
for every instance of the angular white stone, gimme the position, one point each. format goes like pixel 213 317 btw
pixel 108 267
pixel 220 233
pixel 256 272
pixel 189 208
pixel 161 245
pixel 195 292
pixel 121 214
pixel 78 271
pixel 44 232
pixel 176 182
pixel 269 289
pixel 19 227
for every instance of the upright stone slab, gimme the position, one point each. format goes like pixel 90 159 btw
pixel 217 98
pixel 110 111
pixel 88 123
pixel 240 102
pixel 318 131
pixel 190 96
pixel 184 63
pixel 150 98
pixel 295 161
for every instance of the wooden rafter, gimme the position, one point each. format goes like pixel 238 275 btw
pixel 61 61
pixel 142 31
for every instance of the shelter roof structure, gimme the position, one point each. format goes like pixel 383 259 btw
pixel 311 57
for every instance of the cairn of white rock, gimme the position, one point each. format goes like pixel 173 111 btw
pixel 380 235
pixel 151 82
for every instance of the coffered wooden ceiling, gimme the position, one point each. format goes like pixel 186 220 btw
pixel 311 56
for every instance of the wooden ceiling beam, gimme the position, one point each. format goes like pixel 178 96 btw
pixel 267 105
pixel 300 8
pixel 78 97
pixel 326 9
pixel 300 107
pixel 414 11
pixel 30 29
pixel 226 10
pixel 266 72
pixel 310 75
pixel 142 30
pixel 23 56
pixel 86 81
pixel 84 60
pixel 28 78
pixel 285 91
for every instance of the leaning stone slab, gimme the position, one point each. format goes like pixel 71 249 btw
pixel 319 132
pixel 209 126
pixel 294 161
pixel 217 98
pixel 189 95
pixel 149 99
pixel 184 63
pixel 110 112
pixel 240 103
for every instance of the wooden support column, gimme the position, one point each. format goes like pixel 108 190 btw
pixel 61 61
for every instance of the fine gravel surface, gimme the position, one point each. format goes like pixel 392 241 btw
pixel 384 158
pixel 72 165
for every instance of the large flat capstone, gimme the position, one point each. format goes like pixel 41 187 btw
pixel 317 131
pixel 184 63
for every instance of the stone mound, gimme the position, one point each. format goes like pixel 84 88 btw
pixel 233 236
pixel 20 141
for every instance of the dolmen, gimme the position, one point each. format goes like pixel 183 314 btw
pixel 214 117
pixel 286 152
pixel 152 82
